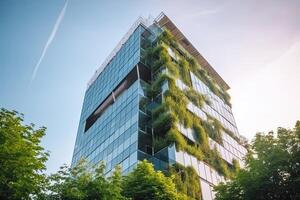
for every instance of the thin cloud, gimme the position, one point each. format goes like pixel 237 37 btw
pixel 50 39
pixel 209 12
pixel 204 12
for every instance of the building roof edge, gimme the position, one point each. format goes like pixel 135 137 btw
pixel 140 21
pixel 164 21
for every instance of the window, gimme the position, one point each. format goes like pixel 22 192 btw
pixel 202 170
pixel 171 53
pixel 206 190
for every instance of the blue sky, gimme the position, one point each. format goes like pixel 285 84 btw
pixel 254 45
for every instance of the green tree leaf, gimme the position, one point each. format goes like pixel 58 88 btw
pixel 272 169
pixel 22 158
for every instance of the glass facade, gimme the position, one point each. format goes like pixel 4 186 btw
pixel 113 137
pixel 116 124
pixel 218 108
pixel 230 149
pixel 208 177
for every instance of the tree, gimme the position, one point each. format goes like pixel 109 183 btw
pixel 272 169
pixel 89 183
pixel 146 183
pixel 22 158
pixel 85 182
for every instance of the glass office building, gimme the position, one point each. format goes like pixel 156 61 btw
pixel 118 123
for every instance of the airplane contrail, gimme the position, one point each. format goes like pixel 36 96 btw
pixel 50 39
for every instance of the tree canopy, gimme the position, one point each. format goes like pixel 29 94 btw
pixel 22 158
pixel 146 183
pixel 272 169
pixel 85 182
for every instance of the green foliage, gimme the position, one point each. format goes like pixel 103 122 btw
pixel 164 120
pixel 226 98
pixel 212 85
pixel 213 129
pixel 146 183
pixel 22 158
pixel 172 111
pixel 184 72
pixel 157 57
pixel 192 63
pixel 153 57
pixel 163 59
pixel 201 135
pixel 174 107
pixel 218 131
pixel 157 83
pixel 116 184
pixel 159 109
pixel 272 169
pixel 159 143
pixel 173 69
pixel 229 191
pixel 232 135
pixel 173 136
pixel 168 38
pixel 195 150
pixel 85 182
pixel 236 166
pixel 195 97
pixel 149 91
pixel 214 159
pixel 186 181
pixel 189 63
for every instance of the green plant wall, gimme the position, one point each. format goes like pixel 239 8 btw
pixel 173 109
pixel 186 181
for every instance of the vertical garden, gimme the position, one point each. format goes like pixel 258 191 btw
pixel 169 62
